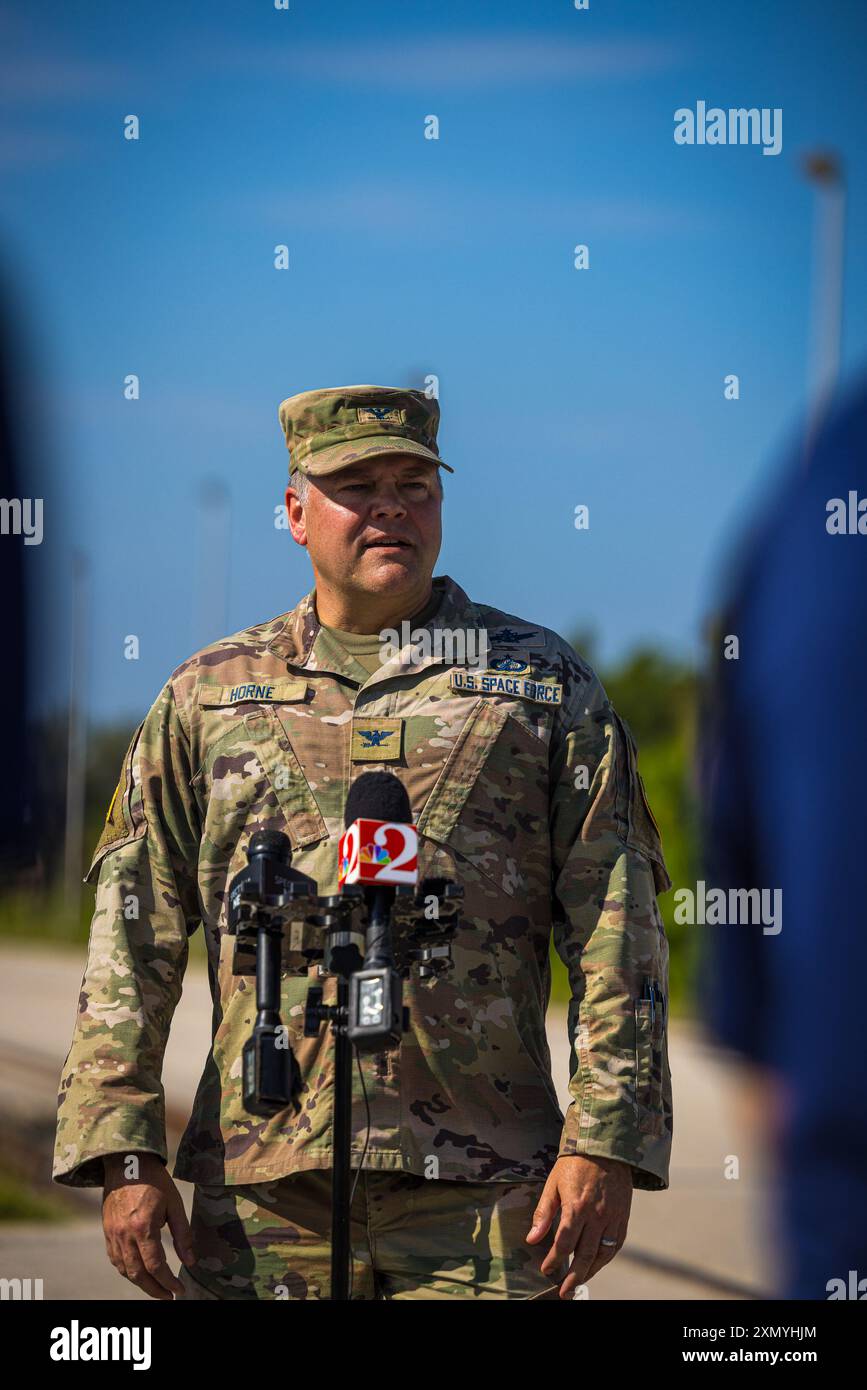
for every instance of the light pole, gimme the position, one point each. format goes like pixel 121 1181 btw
pixel 212 589
pixel 824 169
pixel 76 755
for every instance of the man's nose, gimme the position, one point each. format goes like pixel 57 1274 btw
pixel 387 501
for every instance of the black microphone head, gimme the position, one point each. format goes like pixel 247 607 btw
pixel 378 796
pixel 271 842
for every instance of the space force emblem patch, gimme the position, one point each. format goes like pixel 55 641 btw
pixel 510 665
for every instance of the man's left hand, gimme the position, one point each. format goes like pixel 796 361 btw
pixel 594 1196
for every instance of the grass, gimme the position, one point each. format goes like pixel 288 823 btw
pixel 45 916
pixel 21 1202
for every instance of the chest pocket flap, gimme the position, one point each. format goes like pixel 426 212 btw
pixel 268 740
pixel 248 724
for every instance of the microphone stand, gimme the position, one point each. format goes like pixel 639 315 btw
pixel 341 1172
pixel 377 952
pixel 343 958
pixel 369 1013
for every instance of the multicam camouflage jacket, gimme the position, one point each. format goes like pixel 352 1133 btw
pixel 524 788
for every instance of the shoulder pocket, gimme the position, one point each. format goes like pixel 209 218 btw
pixel 124 820
pixel 490 802
pixel 443 808
pixel 642 831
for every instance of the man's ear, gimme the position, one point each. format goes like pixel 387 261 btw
pixel 295 517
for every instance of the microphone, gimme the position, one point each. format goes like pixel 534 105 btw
pixel 379 850
pixel 258 898
pixel 377 796
pixel 380 845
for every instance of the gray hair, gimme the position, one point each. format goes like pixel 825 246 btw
pixel 300 483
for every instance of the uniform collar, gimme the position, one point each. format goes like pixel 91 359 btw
pixel 303 644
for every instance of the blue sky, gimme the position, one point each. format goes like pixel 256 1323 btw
pixel 410 256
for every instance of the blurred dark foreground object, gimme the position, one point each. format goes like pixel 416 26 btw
pixel 784 766
pixel 16 829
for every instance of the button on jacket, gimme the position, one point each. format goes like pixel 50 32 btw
pixel 524 788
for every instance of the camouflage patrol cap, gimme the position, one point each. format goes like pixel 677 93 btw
pixel 330 429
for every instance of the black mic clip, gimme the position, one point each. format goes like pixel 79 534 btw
pixel 265 897
pixel 426 916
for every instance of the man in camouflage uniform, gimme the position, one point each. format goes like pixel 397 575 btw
pixel 524 787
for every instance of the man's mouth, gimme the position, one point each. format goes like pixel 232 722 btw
pixel 388 543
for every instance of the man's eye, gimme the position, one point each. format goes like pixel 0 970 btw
pixel 354 487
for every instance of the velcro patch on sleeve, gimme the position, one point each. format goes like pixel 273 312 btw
pixel 492 682
pixel 119 825
pixel 115 827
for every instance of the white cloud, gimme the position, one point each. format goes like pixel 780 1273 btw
pixel 451 60
pixel 31 148
pixel 39 79
pixel 395 214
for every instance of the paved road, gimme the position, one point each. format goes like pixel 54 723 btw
pixel 707 1237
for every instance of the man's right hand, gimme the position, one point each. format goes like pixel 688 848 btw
pixel 134 1210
